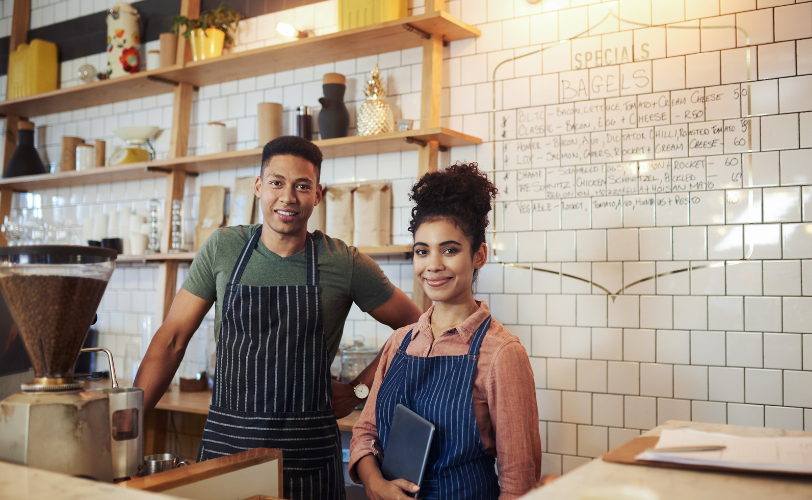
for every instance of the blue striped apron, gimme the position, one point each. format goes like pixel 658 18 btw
pixel 272 381
pixel 441 390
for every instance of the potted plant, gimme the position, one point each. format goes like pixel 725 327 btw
pixel 209 33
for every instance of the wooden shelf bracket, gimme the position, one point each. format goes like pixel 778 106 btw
pixel 408 27
pixel 412 140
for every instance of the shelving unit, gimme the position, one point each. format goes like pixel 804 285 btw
pixel 348 44
pixel 141 84
pixel 429 31
pixel 331 148
pixel 381 251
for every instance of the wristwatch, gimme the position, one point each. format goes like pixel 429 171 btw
pixel 361 391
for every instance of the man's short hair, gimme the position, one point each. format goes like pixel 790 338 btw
pixel 295 146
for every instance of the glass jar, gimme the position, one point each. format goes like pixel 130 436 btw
pixel 354 359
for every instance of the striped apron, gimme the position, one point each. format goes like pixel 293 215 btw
pixel 441 390
pixel 272 381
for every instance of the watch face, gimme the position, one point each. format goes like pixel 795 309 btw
pixel 361 391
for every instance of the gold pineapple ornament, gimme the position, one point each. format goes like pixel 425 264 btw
pixel 375 117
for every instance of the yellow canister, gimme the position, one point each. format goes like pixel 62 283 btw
pixel 357 13
pixel 208 44
pixel 32 69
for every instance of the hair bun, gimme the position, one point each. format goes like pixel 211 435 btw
pixel 460 192
pixel 461 183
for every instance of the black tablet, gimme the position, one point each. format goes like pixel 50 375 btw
pixel 408 448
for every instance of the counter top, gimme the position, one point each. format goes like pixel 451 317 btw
pixel 198 402
pixel 27 483
pixel 674 484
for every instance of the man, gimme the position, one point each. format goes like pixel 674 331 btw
pixel 282 296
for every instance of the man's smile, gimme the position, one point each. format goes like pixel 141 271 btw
pixel 285 215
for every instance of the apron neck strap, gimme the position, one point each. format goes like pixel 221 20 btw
pixel 476 341
pixel 406 340
pixel 311 257
pixel 245 255
pixel 479 336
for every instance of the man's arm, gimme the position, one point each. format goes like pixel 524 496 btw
pixel 169 345
pixel 397 312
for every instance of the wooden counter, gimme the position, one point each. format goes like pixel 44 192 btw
pixel 198 403
pixel 176 424
pixel 681 484
pixel 241 475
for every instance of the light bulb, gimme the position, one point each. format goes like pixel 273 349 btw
pixel 288 30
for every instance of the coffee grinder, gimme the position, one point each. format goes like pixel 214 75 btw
pixel 53 293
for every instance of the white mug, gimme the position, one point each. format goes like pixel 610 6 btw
pixel 138 243
pixel 216 138
pixel 153 59
pixel 85 157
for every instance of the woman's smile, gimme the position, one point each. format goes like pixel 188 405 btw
pixel 438 281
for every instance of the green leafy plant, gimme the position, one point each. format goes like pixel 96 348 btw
pixel 222 18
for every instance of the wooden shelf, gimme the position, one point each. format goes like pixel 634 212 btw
pixel 331 148
pixel 348 44
pixel 141 84
pixel 129 172
pixel 342 45
pixel 189 256
pixel 157 257
pixel 386 250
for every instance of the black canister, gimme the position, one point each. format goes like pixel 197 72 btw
pixel 334 119
pixel 304 123
pixel 115 243
pixel 25 160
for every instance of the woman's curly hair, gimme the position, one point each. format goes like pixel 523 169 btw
pixel 461 193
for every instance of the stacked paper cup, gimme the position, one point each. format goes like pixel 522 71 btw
pixel 138 238
pixel 124 229
pixel 100 223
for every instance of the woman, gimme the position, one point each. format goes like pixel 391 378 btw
pixel 487 414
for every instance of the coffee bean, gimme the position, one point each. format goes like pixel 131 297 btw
pixel 53 315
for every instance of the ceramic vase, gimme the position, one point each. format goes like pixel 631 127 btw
pixel 334 119
pixel 123 41
pixel 25 160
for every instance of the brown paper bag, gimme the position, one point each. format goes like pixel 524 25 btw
pixel 372 207
pixel 242 202
pixel 210 214
pixel 339 212
pixel 318 219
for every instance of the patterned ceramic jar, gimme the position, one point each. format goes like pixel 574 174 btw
pixel 123 41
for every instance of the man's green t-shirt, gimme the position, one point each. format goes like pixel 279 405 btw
pixel 345 276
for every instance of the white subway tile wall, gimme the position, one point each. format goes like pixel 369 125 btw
pixel 639 158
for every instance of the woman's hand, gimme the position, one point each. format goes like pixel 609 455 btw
pixel 399 489
pixel 378 488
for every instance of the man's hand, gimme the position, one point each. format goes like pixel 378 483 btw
pixel 344 400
